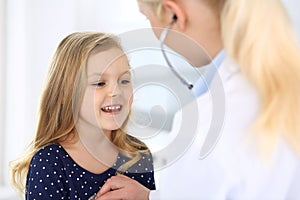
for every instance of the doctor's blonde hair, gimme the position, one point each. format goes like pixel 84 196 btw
pixel 259 36
pixel 59 105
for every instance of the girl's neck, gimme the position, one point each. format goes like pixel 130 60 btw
pixel 93 156
pixel 93 139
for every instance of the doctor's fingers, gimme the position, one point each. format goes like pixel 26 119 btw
pixel 113 183
pixel 126 193
pixel 123 187
pixel 113 195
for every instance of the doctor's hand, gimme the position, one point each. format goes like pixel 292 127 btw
pixel 123 187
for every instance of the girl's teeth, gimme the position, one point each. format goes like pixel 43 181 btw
pixel 112 108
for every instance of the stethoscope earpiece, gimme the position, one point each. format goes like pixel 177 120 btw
pixel 174 18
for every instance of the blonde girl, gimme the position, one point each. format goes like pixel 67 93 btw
pixel 79 142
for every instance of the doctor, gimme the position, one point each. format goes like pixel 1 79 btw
pixel 257 153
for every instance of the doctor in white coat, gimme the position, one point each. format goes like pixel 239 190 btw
pixel 247 139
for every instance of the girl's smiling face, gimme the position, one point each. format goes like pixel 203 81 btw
pixel 108 95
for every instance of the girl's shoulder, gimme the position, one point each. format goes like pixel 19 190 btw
pixel 54 149
pixel 52 154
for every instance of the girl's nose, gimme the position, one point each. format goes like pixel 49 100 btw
pixel 113 90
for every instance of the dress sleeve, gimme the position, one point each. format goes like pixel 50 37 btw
pixel 46 178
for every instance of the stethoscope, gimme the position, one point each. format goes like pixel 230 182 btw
pixel 162 40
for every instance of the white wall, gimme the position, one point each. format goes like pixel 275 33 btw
pixel 2 80
pixel 293 7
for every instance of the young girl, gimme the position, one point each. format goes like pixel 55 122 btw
pixel 79 142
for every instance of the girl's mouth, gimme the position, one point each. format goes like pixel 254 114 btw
pixel 112 109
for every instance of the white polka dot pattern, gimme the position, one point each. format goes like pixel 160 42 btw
pixel 54 175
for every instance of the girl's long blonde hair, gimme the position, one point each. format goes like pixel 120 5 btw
pixel 258 35
pixel 59 106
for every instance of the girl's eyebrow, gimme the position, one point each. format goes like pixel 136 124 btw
pixel 96 74
pixel 103 74
pixel 126 72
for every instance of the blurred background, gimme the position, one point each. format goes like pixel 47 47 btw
pixel 30 30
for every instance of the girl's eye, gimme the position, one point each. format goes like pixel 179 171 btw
pixel 124 82
pixel 100 84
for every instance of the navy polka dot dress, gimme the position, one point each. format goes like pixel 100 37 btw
pixel 53 174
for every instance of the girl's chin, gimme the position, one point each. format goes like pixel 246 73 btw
pixel 110 126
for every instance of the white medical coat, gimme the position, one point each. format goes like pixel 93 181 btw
pixel 232 169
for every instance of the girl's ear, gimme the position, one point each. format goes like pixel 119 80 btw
pixel 173 9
